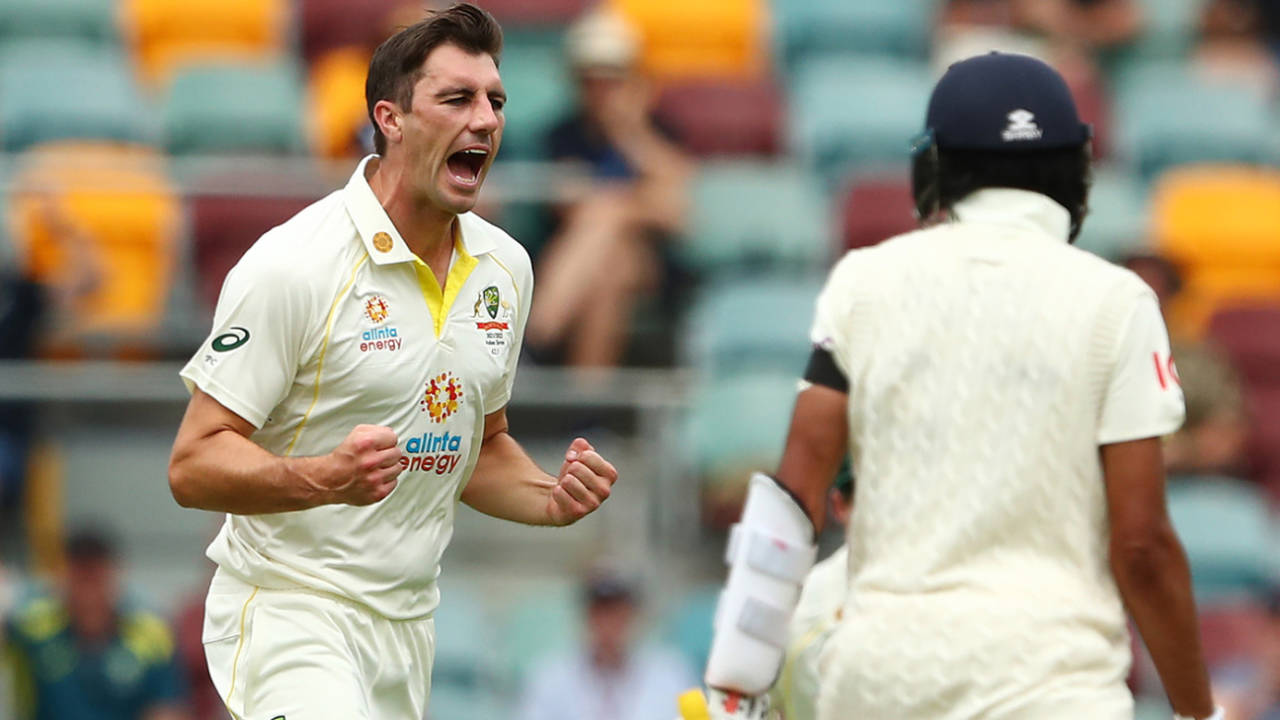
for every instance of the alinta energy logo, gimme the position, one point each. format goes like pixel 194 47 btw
pixel 380 337
pixel 442 397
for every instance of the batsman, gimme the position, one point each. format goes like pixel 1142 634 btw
pixel 1002 397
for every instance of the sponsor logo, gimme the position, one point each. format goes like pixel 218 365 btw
pixel 230 340
pixel 1022 126
pixel 376 309
pixel 384 339
pixel 441 397
pixel 430 452
pixel 492 316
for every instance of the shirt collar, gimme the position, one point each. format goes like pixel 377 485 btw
pixel 1015 208
pixel 381 239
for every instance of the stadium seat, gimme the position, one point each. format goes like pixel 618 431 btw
pixel 57 90
pixel 845 115
pixel 522 14
pixel 336 98
pixel 1230 536
pixel 167 35
pixel 713 117
pixel 90 21
pixel 543 623
pixel 1117 221
pixel 752 214
pixel 1220 225
pixel 1250 335
pixel 824 27
pixel 687 624
pixel 235 107
pixel 330 24
pixel 1263 404
pixel 875 208
pixel 737 424
pixel 118 204
pixel 704 39
pixel 1168 30
pixel 225 226
pixel 1161 120
pixel 539 94
pixel 751 324
pixel 464 674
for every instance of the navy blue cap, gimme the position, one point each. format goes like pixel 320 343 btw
pixel 1001 101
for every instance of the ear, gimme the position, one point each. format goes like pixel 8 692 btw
pixel 388 117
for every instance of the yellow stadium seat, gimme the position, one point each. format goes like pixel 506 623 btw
pixel 113 205
pixel 166 34
pixel 338 109
pixel 703 39
pixel 1221 224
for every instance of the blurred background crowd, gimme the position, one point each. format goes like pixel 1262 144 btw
pixel 682 174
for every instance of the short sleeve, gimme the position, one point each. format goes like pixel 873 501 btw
pixel 251 357
pixel 523 279
pixel 1143 396
pixel 831 315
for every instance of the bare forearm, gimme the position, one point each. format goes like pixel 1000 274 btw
pixel 226 472
pixel 1155 581
pixel 508 484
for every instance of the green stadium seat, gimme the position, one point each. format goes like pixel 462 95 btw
pixel 544 622
pixel 846 113
pixel 805 27
pixel 235 107
pixel 539 93
pixel 1168 30
pixel 60 90
pixel 750 324
pixel 748 214
pixel 1229 535
pixel 91 21
pixel 687 624
pixel 737 424
pixel 1117 221
pixel 1168 116
pixel 465 675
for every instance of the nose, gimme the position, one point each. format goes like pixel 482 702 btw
pixel 485 119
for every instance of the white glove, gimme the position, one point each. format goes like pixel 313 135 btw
pixel 723 705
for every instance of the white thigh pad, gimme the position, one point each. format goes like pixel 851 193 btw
pixel 770 552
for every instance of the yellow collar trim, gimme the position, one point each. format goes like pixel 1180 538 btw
pixel 440 301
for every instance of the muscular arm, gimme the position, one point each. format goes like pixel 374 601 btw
pixel 508 484
pixel 215 466
pixel 1152 574
pixel 816 444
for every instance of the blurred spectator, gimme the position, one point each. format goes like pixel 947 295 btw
pixel 607 248
pixel 1251 688
pixel 205 702
pixel 83 654
pixel 1232 46
pixel 610 678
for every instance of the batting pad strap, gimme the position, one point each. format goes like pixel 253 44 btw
pixel 770 554
pixel 764 622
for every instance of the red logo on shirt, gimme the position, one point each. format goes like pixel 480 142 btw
pixel 1166 371
pixel 442 397
pixel 376 309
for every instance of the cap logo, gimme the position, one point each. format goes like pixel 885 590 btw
pixel 1022 126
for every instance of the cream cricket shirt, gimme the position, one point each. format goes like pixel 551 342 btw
pixel 330 321
pixel 987 361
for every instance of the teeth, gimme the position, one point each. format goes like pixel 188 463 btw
pixel 473 151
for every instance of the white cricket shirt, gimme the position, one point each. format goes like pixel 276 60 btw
pixel 330 321
pixel 987 361
pixel 822 598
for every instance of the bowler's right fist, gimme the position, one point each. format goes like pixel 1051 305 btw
pixel 365 466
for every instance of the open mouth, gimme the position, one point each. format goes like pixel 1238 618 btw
pixel 465 165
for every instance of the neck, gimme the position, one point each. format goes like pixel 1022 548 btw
pixel 426 229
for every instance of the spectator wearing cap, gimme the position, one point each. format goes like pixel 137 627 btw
pixel 83 654
pixel 637 198
pixel 610 677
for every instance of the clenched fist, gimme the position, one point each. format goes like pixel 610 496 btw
pixel 364 467
pixel 586 480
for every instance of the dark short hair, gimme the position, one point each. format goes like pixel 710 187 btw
pixel 91 545
pixel 1062 174
pixel 397 63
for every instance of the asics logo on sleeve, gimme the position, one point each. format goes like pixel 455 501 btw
pixel 231 340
